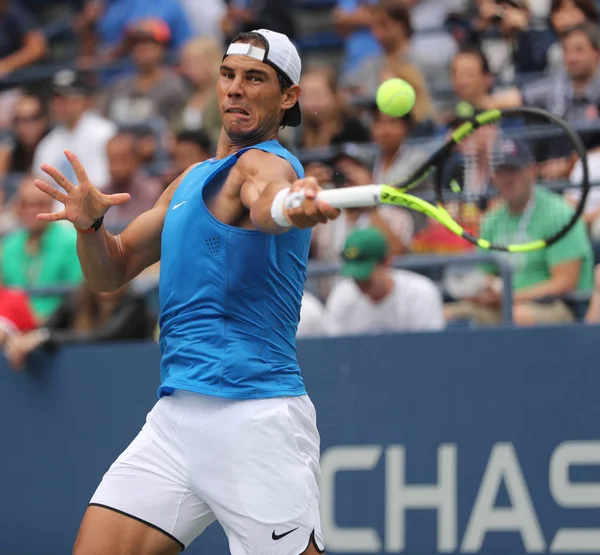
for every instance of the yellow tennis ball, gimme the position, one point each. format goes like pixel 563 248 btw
pixel 395 97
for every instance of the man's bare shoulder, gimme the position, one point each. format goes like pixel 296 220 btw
pixel 255 161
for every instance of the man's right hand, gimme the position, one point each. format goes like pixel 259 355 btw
pixel 84 204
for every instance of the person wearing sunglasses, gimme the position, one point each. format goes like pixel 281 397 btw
pixel 30 126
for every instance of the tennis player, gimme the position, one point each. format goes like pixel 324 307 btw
pixel 233 436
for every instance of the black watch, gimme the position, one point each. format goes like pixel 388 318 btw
pixel 97 224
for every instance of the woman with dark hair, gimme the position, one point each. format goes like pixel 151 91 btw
pixel 564 15
pixel 85 317
pixel 325 118
pixel 30 125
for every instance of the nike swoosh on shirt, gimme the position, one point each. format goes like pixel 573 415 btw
pixel 178 205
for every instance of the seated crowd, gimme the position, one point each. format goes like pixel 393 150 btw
pixel 137 105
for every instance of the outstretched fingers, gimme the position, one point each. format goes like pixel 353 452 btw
pixel 53 216
pixel 77 167
pixel 51 191
pixel 58 177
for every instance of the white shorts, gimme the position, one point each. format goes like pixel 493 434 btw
pixel 252 465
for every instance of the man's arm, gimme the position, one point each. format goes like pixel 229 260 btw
pixel 564 279
pixel 34 47
pixel 108 262
pixel 264 176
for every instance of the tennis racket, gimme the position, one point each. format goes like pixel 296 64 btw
pixel 509 167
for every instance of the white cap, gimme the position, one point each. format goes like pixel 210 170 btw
pixel 282 55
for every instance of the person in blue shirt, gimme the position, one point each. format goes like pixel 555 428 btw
pixel 352 20
pixel 120 14
pixel 233 435
pixel 103 27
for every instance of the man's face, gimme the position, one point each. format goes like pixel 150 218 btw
pixel 389 133
pixel 68 109
pixel 388 32
pixel 123 161
pixel 31 202
pixel 581 58
pixel 372 286
pixel 250 98
pixel 147 54
pixel 468 78
pixel 186 154
pixel 514 184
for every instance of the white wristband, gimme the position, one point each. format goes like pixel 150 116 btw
pixel 278 208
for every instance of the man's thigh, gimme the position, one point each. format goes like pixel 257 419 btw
pixel 108 532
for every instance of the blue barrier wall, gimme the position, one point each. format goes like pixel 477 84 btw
pixel 456 442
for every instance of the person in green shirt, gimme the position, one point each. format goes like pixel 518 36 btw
pixel 39 254
pixel 540 278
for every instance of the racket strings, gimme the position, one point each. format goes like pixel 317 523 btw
pixel 505 183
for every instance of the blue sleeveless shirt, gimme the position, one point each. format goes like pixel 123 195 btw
pixel 230 297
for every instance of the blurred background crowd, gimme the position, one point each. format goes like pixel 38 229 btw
pixel 129 86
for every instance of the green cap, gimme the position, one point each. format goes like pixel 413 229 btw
pixel 363 250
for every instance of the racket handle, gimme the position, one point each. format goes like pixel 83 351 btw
pixel 348 197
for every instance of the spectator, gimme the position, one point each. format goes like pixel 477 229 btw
pixel 518 48
pixel 540 278
pixel 351 168
pixel 591 215
pixel 352 21
pixel 573 94
pixel 433 46
pixel 392 28
pixel 30 126
pixel 325 118
pixel 472 79
pixel 84 317
pixel 424 112
pixel 205 17
pixel 200 61
pixel 153 90
pixel 395 159
pixel 103 25
pixel 21 42
pixel 377 299
pixel 565 14
pixel 313 318
pixel 41 254
pixel 246 15
pixel 15 313
pixel 126 176
pixel 191 147
pixel 78 128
